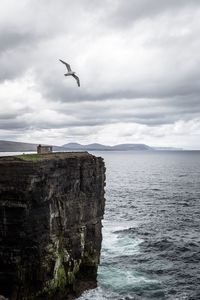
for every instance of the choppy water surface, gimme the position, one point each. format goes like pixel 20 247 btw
pixel 151 234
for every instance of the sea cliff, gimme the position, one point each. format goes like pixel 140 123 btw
pixel 51 207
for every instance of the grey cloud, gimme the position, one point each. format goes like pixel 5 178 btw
pixel 125 13
pixel 11 38
pixel 151 112
pixel 16 49
pixel 7 116
pixel 189 87
pixel 13 125
pixel 23 31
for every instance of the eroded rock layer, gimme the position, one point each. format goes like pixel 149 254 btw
pixel 51 207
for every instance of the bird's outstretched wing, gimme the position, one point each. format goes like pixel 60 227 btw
pixel 77 79
pixel 67 65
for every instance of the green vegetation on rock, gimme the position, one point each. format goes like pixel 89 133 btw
pixel 90 260
pixel 62 279
pixel 33 157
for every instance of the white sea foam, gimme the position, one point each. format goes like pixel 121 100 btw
pixel 99 294
pixel 115 244
pixel 123 279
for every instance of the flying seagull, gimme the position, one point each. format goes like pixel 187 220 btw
pixel 70 72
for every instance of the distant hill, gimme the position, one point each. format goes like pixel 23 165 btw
pixel 168 149
pixel 99 147
pixel 120 147
pixel 8 146
pixel 73 146
pixel 126 147
pixel 95 146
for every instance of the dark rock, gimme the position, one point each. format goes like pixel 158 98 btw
pixel 3 298
pixel 51 207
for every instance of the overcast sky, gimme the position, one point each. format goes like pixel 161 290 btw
pixel 138 62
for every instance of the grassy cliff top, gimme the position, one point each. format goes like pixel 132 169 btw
pixel 48 156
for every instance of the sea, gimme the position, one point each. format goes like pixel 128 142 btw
pixel 151 227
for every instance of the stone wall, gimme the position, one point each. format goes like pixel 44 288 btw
pixel 51 207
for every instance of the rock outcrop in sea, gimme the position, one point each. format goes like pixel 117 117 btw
pixel 51 208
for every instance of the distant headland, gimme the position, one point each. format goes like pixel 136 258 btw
pixel 10 146
pixel 120 147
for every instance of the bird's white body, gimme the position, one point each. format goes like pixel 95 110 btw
pixel 70 73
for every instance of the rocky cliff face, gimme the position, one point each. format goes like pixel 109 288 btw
pixel 51 207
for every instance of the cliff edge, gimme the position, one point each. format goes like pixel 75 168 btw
pixel 51 207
